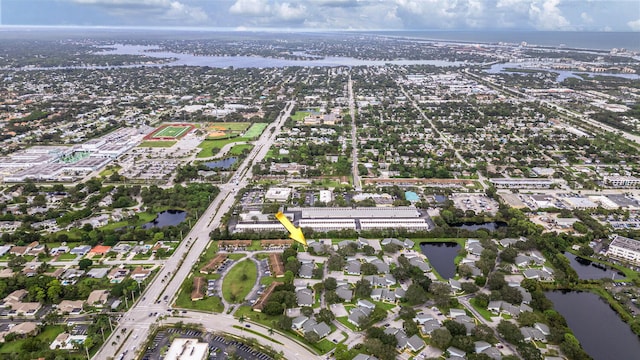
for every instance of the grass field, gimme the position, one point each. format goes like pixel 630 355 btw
pixel 231 126
pixel 223 130
pixel 157 144
pixel 110 170
pixel 172 131
pixel 300 115
pixel 47 335
pixel 210 303
pixel 208 146
pixel 239 281
pixel 238 149
pixel 255 130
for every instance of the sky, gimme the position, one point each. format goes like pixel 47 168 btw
pixel 544 15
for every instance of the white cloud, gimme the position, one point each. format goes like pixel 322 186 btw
pixel 634 25
pixel 166 10
pixel 586 18
pixel 545 15
pixel 250 7
pixel 286 11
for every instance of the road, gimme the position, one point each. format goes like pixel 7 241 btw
pixel 508 348
pixel 135 323
pixel 225 323
pixel 446 138
pixel 354 154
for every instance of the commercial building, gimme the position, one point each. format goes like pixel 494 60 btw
pixel 187 349
pixel 625 249
pixel 523 183
pixel 278 194
pixel 621 181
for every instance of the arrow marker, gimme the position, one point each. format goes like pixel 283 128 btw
pixel 295 233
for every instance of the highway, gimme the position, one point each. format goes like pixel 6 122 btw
pixel 352 111
pixel 135 324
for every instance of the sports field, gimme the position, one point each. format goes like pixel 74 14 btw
pixel 172 131
pixel 169 132
pixel 222 130
pixel 255 130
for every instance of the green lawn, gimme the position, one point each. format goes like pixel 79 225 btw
pixel 172 131
pixel 67 257
pixel 210 304
pixel 255 130
pixel 238 149
pixel 110 170
pixel 300 115
pixel 233 126
pixel 143 218
pixel 345 322
pixel 239 281
pixel 47 335
pixel 208 146
pixel 484 312
pixel 236 256
pixel 157 144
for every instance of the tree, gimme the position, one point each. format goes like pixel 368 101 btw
pixel 469 288
pixel 415 294
pixel 368 269
pixel 410 328
pixel 84 264
pixel 330 283
pixel 496 281
pixel 527 318
pixel 406 313
pixel 509 255
pixel 273 308
pixel 325 315
pixel 306 311
pixel 441 338
pixel 362 289
pixel 483 332
pixel 510 332
pixel 311 337
pixel 455 328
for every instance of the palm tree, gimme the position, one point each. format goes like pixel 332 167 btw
pixel 241 319
pixel 270 331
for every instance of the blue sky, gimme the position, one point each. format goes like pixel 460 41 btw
pixel 569 15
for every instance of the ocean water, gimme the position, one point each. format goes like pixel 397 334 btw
pixel 569 39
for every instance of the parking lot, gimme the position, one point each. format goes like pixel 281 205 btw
pixel 219 347
pixel 477 203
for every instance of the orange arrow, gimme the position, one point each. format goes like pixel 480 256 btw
pixel 295 233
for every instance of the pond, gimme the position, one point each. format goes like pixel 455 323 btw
pixel 588 270
pixel 166 218
pixel 599 329
pixel 441 256
pixel 221 164
pixel 491 226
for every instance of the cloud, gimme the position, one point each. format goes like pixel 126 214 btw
pixel 287 11
pixel 165 10
pixel 250 7
pixel 586 18
pixel 634 25
pixel 545 15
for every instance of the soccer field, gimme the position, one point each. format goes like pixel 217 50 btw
pixel 171 131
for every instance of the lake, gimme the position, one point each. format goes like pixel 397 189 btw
pixel 166 218
pixel 221 164
pixel 491 226
pixel 588 270
pixel 562 74
pixel 179 59
pixel 441 256
pixel 599 329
